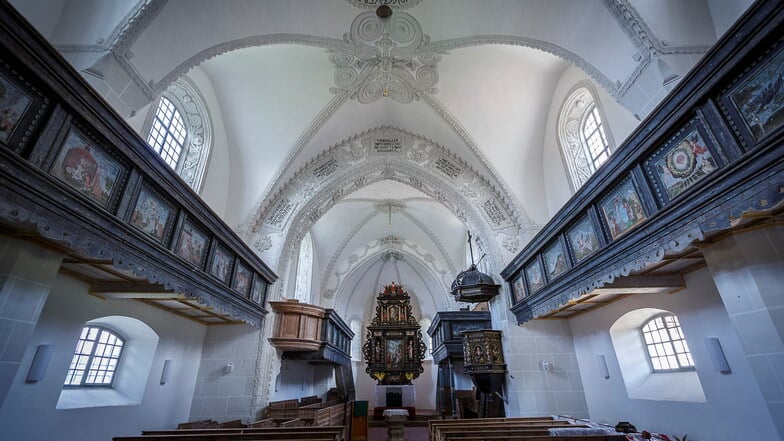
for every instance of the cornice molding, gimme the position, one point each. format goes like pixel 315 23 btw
pixel 397 5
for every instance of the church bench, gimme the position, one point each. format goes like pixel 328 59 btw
pixel 227 437
pixel 297 422
pixel 330 416
pixel 494 430
pixel 435 425
pixel 265 433
pixel 480 437
pixel 269 422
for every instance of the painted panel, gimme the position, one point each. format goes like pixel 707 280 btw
pixel 192 244
pixel 555 261
pixel 622 209
pixel 152 214
pixel 582 239
pixel 87 168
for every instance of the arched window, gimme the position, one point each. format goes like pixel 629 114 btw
pixel 111 364
pixel 304 270
pixel 167 135
pixel 647 343
pixel 666 346
pixel 179 130
pixel 95 359
pixel 584 140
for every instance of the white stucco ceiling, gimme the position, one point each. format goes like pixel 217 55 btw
pixel 480 78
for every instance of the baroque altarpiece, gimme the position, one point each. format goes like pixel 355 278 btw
pixel 393 348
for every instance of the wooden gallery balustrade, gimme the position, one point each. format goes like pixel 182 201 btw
pixel 75 176
pixel 707 160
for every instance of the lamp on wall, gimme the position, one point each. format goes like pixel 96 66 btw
pixel 602 366
pixel 165 371
pixel 720 363
pixel 40 362
pixel 229 368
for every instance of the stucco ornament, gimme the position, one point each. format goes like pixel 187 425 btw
pixel 372 156
pixel 394 4
pixel 385 58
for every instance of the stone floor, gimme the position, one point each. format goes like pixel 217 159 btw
pixel 409 433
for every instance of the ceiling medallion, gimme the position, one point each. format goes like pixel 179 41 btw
pixel 397 5
pixel 385 57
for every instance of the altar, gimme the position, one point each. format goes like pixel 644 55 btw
pixel 395 397
pixel 403 395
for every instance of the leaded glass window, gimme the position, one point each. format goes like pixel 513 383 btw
pixel 168 133
pixel 665 344
pixel 95 359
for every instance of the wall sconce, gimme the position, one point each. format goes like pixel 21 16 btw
pixel 602 366
pixel 546 365
pixel 165 371
pixel 40 362
pixel 717 355
pixel 229 368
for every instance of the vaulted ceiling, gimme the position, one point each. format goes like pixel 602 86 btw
pixel 385 139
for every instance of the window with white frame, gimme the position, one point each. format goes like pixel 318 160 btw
pixel 168 133
pixel 96 357
pixel 180 131
pixel 665 344
pixel 582 135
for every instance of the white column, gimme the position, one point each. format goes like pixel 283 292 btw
pixel 27 272
pixel 748 270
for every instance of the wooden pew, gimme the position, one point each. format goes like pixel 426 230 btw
pixel 450 433
pixel 479 437
pixel 434 425
pixel 332 433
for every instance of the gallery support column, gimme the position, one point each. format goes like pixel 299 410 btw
pixel 748 270
pixel 27 272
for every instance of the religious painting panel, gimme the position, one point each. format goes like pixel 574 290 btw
pixel 87 168
pixel 259 291
pixel 192 243
pixel 21 107
pixel 518 288
pixel 221 263
pixel 622 209
pixel 582 239
pixel 757 98
pixel 534 276
pixel 152 214
pixel 555 260
pixel 395 353
pixel 242 279
pixel 684 160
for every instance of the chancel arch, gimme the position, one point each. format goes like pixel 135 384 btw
pixel 397 155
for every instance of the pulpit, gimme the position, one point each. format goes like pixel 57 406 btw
pixel 484 362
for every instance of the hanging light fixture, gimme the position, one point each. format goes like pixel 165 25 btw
pixel 472 285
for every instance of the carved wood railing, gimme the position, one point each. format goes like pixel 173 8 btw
pixel 709 158
pixel 74 174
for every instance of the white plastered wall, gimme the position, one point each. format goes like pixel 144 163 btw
pixel 530 390
pixel 30 413
pixel 215 189
pixel 619 121
pixel 732 410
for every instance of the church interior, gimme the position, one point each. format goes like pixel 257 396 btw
pixel 287 214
